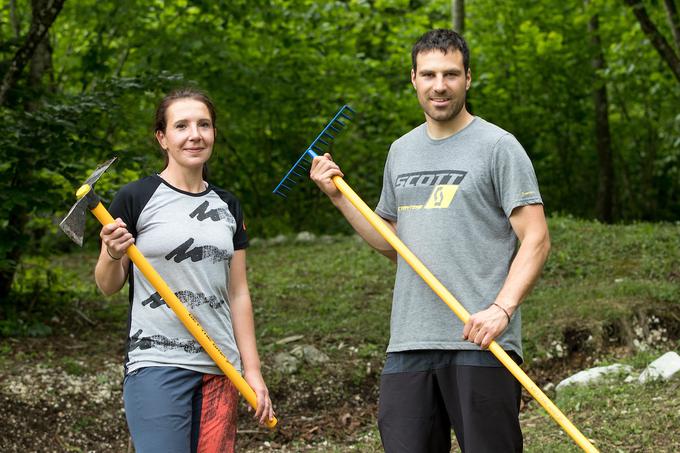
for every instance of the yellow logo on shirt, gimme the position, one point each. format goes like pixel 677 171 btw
pixel 441 197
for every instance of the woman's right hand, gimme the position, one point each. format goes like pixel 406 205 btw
pixel 116 238
pixel 322 171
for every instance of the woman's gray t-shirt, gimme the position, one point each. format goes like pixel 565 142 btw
pixel 190 239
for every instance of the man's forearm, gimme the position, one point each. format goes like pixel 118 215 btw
pixel 524 271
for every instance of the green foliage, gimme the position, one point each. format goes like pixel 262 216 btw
pixel 46 151
pixel 279 69
pixel 49 295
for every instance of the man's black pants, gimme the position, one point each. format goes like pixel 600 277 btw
pixel 418 409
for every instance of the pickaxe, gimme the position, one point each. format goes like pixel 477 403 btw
pixel 74 227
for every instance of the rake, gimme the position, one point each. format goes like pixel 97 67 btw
pixel 322 143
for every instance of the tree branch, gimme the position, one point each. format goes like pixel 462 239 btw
pixel 458 13
pixel 14 20
pixel 673 21
pixel 658 41
pixel 38 30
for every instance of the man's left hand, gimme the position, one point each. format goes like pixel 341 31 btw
pixel 484 326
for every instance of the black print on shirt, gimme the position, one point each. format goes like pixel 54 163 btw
pixel 188 298
pixel 154 301
pixel 182 253
pixel 163 343
pixel 201 213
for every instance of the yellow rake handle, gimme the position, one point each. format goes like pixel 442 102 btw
pixel 189 321
pixel 460 311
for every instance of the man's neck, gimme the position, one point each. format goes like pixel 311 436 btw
pixel 439 130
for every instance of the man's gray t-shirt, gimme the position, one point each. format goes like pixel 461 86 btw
pixel 452 199
pixel 190 239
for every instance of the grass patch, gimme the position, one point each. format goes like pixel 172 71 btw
pixel 616 416
pixel 613 283
pixel 331 292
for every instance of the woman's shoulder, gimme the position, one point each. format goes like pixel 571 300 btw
pixel 224 194
pixel 141 185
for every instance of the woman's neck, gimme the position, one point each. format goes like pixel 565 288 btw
pixel 188 181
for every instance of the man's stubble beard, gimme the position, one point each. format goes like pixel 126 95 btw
pixel 447 115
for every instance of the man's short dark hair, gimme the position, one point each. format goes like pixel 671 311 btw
pixel 444 40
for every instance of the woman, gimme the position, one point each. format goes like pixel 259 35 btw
pixel 176 398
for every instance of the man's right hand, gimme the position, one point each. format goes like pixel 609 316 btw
pixel 323 169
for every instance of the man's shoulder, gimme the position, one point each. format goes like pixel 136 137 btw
pixel 488 129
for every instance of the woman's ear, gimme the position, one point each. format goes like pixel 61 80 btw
pixel 160 136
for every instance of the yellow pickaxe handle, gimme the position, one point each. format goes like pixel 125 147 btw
pixel 460 311
pixel 189 321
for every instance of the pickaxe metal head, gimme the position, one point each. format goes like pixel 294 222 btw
pixel 74 222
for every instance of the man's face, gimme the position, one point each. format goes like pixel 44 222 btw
pixel 441 83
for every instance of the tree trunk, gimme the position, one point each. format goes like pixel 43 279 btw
pixel 15 234
pixel 42 20
pixel 458 15
pixel 658 41
pixel 605 187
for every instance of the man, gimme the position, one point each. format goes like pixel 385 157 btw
pixel 460 193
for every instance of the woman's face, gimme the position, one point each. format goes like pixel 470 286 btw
pixel 189 134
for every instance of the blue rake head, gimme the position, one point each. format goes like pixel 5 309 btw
pixel 320 145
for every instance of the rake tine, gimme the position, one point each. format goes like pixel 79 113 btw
pixel 320 144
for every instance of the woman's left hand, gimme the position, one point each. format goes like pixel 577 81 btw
pixel 265 410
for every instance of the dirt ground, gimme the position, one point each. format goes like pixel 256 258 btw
pixel 63 394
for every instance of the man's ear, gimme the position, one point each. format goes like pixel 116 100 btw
pixel 468 79
pixel 413 77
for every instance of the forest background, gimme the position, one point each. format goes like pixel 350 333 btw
pixel 590 88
